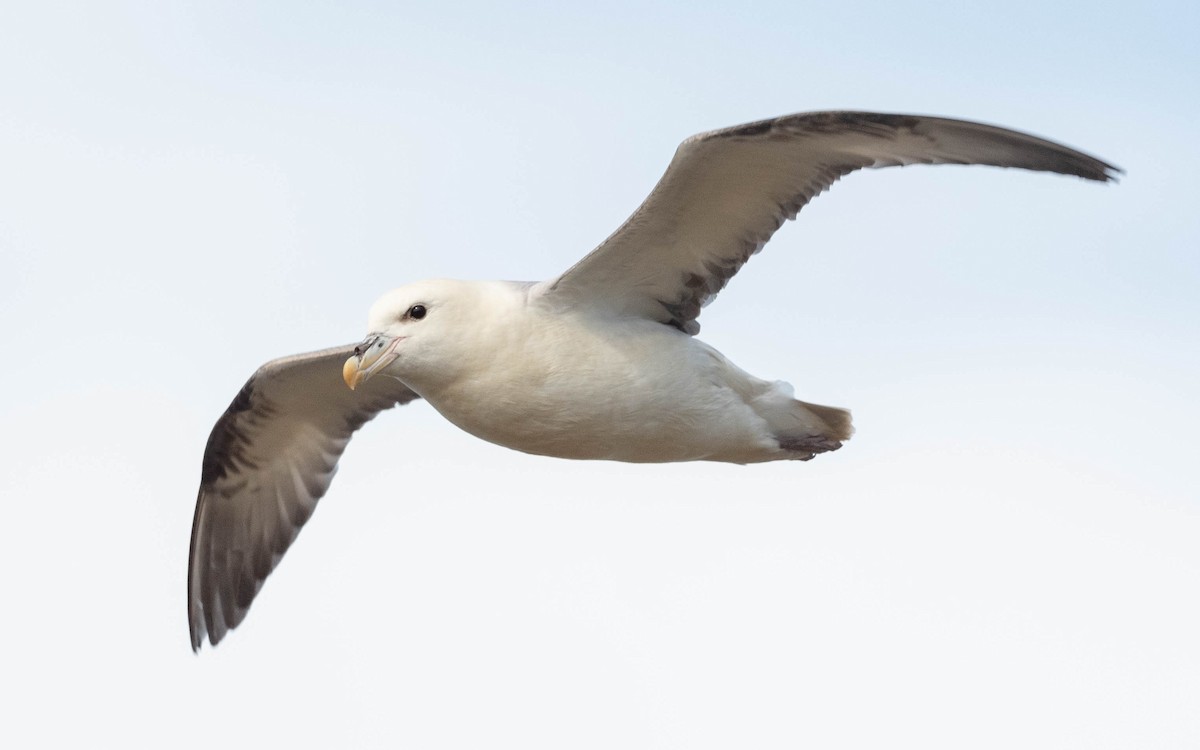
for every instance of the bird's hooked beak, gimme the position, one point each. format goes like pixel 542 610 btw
pixel 375 353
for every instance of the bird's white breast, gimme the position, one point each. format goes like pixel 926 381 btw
pixel 575 386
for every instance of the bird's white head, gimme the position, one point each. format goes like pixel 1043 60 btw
pixel 422 333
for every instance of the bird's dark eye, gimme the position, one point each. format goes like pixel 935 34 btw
pixel 416 312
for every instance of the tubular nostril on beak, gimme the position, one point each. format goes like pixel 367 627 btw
pixel 366 345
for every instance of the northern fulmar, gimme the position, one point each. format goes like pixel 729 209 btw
pixel 599 363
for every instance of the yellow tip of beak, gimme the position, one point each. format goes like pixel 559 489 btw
pixel 351 372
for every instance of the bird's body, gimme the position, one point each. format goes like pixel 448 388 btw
pixel 568 384
pixel 598 363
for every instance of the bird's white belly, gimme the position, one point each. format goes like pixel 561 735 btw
pixel 646 396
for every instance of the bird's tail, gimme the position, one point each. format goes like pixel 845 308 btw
pixel 838 424
pixel 801 428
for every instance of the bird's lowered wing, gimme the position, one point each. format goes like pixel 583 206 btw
pixel 269 459
pixel 727 191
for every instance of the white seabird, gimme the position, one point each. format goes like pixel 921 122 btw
pixel 598 363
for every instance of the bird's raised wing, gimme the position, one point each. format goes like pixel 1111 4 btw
pixel 726 192
pixel 269 459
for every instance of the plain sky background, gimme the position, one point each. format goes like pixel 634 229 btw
pixel 1006 555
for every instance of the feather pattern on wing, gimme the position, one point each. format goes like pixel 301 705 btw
pixel 269 459
pixel 726 192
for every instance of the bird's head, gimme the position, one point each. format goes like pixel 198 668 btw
pixel 420 334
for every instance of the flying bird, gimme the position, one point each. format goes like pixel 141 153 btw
pixel 599 363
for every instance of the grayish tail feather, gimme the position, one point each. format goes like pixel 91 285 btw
pixel 837 420
pixel 827 427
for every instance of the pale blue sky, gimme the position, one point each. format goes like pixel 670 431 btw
pixel 1004 556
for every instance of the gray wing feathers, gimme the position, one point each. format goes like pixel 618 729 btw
pixel 726 192
pixel 270 458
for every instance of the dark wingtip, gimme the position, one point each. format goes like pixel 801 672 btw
pixel 1084 165
pixel 1091 168
pixel 197 635
pixel 196 628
